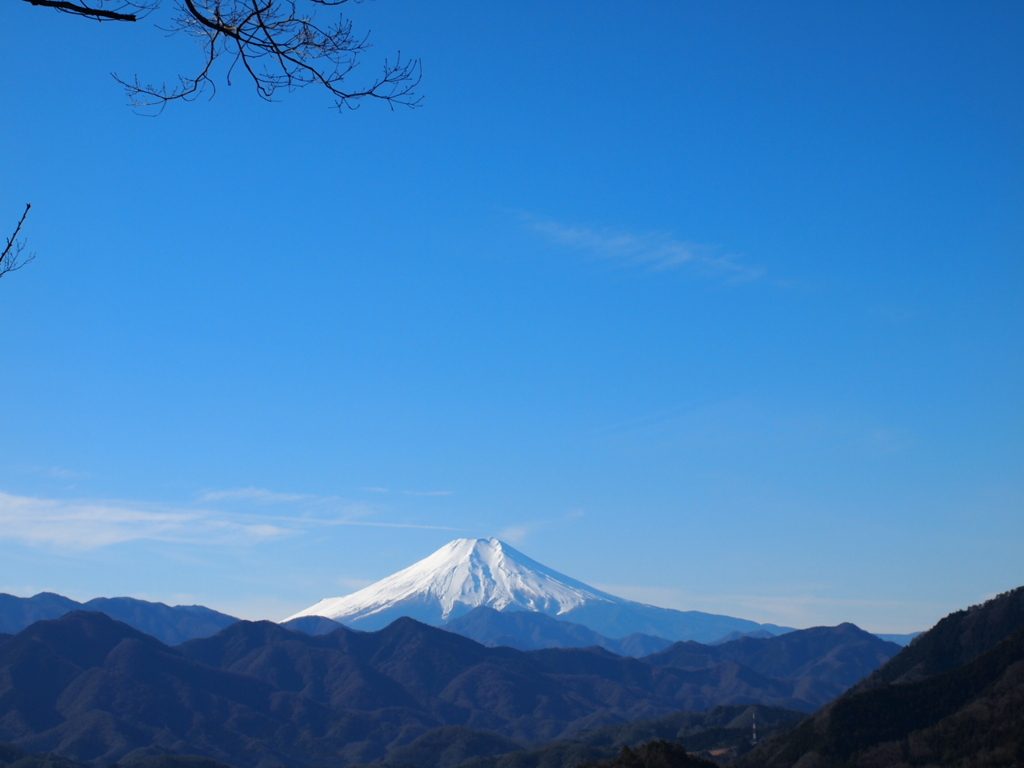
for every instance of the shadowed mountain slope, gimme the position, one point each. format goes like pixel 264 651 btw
pixel 841 655
pixel 654 754
pixel 450 746
pixel 13 757
pixel 736 635
pixel 16 613
pixel 169 624
pixel 425 662
pixel 726 729
pixel 955 696
pixel 312 625
pixel 529 630
pixel 957 639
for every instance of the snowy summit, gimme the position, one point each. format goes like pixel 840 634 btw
pixel 462 575
pixel 469 573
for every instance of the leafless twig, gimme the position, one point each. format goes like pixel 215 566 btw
pixel 11 259
pixel 279 44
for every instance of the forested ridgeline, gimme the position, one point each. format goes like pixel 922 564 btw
pixel 955 696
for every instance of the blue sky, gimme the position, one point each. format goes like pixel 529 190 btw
pixel 713 305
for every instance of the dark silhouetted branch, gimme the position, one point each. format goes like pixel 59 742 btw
pixel 98 13
pixel 11 259
pixel 279 44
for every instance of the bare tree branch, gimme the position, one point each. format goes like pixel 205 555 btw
pixel 84 10
pixel 10 259
pixel 279 44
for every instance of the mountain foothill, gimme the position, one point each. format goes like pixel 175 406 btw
pixel 498 678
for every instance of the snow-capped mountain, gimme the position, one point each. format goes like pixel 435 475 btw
pixel 462 575
pixel 468 573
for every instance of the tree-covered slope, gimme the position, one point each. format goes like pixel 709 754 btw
pixel 955 696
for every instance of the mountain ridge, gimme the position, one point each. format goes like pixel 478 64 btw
pixel 169 624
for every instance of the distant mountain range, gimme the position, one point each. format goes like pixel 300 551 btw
pixel 470 573
pixel 524 630
pixel 837 655
pixel 529 631
pixel 168 624
pixel 954 697
pixel 258 695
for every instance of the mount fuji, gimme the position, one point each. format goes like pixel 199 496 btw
pixel 469 573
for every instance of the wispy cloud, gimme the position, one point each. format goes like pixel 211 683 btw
pixel 91 524
pixel 518 533
pixel 514 534
pixel 375 524
pixel 254 494
pixel 57 473
pixel 86 524
pixel 353 585
pixel 656 251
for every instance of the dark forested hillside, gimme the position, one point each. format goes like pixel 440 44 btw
pixel 955 696
pixel 13 757
pixel 957 639
pixel 654 754
pixel 723 731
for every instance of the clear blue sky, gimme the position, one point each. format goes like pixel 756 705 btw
pixel 713 305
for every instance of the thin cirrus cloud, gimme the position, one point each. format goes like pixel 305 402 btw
pixel 518 533
pixel 265 496
pixel 655 251
pixel 514 534
pixel 84 524
pixel 89 524
pixel 253 494
pixel 55 473
pixel 378 489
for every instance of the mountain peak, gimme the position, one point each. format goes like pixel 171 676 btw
pixel 468 573
pixel 460 576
